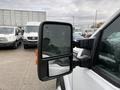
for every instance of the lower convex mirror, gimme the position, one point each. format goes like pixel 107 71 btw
pixel 60 66
pixel 54 50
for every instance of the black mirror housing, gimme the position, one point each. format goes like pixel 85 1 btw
pixel 16 32
pixel 84 43
pixel 55 52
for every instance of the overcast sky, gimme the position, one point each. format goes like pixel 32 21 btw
pixel 64 10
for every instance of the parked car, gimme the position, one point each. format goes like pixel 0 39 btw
pixel 95 67
pixel 9 37
pixel 77 36
pixel 30 36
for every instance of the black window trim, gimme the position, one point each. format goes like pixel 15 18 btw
pixel 103 73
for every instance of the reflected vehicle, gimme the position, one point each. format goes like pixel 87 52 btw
pixel 9 37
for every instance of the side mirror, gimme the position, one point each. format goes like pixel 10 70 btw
pixel 22 32
pixel 16 32
pixel 55 52
pixel 84 43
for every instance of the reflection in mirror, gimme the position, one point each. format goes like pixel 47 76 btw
pixel 59 66
pixel 56 40
pixel 45 56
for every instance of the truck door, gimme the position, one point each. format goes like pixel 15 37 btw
pixel 100 70
pixel 105 72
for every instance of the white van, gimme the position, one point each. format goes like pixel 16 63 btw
pixel 30 36
pixel 9 37
pixel 94 67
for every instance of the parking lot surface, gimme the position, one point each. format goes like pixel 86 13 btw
pixel 18 71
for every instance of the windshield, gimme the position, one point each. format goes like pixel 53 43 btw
pixel 6 30
pixel 32 29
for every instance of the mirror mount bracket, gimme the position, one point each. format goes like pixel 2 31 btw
pixel 83 61
pixel 76 63
pixel 84 43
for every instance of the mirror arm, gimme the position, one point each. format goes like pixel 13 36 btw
pixel 85 44
pixel 83 61
pixel 76 63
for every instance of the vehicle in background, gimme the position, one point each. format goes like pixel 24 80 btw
pixel 76 37
pixel 9 37
pixel 30 36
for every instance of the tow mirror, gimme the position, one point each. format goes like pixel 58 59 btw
pixel 55 53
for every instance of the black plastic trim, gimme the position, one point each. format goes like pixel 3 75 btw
pixel 43 64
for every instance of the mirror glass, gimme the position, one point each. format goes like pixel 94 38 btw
pixel 60 66
pixel 56 40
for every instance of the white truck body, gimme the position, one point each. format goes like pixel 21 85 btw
pixel 84 78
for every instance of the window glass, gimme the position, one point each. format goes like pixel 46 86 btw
pixel 109 54
pixel 6 30
pixel 30 29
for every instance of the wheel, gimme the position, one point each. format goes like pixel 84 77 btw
pixel 15 45
pixel 25 46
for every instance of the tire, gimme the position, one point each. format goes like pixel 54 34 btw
pixel 15 46
pixel 25 46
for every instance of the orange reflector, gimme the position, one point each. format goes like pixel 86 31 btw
pixel 36 56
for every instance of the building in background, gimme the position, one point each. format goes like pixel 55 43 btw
pixel 20 17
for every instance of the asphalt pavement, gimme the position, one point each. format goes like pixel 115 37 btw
pixel 18 71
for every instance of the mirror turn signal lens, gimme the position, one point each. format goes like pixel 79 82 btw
pixel 36 56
